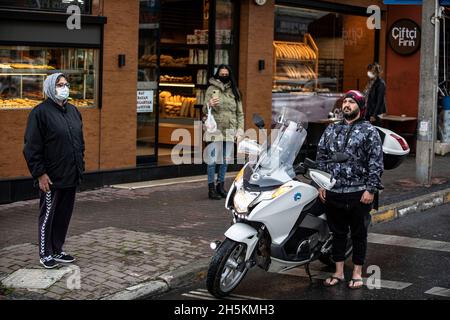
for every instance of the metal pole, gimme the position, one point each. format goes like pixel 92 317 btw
pixel 427 113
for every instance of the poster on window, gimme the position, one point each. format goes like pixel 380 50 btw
pixel 144 101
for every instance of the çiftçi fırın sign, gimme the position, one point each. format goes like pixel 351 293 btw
pixel 404 36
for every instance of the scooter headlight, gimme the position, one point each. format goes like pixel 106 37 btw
pixel 242 200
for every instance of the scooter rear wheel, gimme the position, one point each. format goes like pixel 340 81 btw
pixel 225 270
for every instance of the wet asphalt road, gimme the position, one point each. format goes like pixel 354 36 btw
pixel 410 267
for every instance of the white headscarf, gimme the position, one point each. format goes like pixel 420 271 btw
pixel 50 86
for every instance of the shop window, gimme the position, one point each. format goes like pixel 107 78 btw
pixel 23 70
pixel 318 55
pixel 183 58
pixel 181 42
pixel 48 5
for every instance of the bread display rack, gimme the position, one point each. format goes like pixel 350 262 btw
pixel 22 84
pixel 296 65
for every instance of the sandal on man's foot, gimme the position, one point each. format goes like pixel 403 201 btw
pixel 352 283
pixel 329 281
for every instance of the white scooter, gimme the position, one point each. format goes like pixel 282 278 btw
pixel 278 221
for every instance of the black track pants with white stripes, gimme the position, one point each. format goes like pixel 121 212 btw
pixel 56 208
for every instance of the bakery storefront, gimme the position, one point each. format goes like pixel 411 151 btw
pixel 139 69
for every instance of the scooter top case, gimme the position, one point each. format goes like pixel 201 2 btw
pixel 395 148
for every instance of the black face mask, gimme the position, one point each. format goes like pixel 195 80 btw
pixel 224 79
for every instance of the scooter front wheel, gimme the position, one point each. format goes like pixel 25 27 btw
pixel 227 268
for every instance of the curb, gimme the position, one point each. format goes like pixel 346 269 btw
pixel 167 182
pixel 188 274
pixel 164 282
pixel 413 205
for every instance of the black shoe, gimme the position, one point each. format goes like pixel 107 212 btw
pixel 63 257
pixel 212 194
pixel 221 190
pixel 48 262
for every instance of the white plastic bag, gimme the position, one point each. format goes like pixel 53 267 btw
pixel 210 122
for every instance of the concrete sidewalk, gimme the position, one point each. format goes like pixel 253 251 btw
pixel 138 241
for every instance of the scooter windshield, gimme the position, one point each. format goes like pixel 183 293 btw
pixel 275 164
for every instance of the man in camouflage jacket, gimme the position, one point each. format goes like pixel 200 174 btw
pixel 350 201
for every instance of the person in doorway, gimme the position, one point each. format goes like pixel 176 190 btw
pixel 349 202
pixel 224 99
pixel 375 93
pixel 54 152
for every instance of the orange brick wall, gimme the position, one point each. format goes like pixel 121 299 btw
pixel 256 37
pixel 118 114
pixel 12 129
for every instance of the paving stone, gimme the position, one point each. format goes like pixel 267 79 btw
pixel 33 278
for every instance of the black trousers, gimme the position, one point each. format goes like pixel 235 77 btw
pixel 56 208
pixel 345 211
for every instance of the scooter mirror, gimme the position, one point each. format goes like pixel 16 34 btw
pixel 250 147
pixel 258 121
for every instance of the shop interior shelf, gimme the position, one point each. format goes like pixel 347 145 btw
pixel 176 84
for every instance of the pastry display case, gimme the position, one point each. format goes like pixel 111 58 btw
pixel 23 70
pixel 295 65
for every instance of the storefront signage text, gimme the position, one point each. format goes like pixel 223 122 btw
pixel 144 101
pixel 404 37
pixel 292 27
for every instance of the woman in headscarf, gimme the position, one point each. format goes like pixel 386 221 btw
pixel 54 152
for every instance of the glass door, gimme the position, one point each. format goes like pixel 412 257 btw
pixel 147 86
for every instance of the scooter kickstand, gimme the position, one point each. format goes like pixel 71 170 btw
pixel 308 272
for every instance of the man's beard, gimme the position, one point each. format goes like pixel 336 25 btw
pixel 352 115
